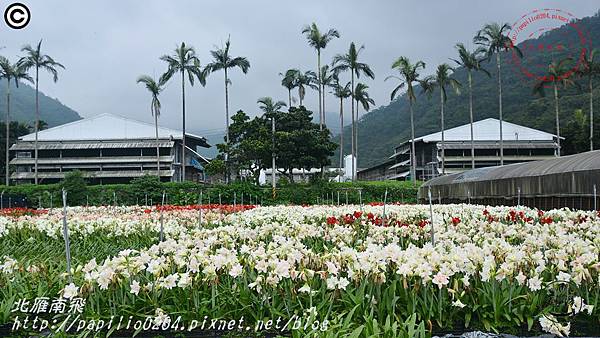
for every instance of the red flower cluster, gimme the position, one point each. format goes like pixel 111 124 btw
pixel 455 220
pixel 225 208
pixel 18 212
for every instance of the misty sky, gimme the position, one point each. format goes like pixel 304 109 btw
pixel 106 45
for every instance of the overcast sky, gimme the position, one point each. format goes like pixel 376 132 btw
pixel 106 45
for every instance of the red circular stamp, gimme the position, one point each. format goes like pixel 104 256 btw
pixel 531 34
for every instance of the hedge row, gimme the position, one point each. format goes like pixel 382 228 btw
pixel 147 191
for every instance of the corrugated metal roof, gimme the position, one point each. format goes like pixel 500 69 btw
pixel 106 127
pixel 580 162
pixel 94 174
pixel 28 145
pixel 92 160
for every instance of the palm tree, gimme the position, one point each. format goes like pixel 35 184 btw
pixel 327 79
pixel 319 41
pixel 184 61
pixel 441 80
pixel 349 61
pixel 471 61
pixel 35 59
pixel 154 88
pixel 16 72
pixel 289 82
pixel 495 40
pixel 303 80
pixel 222 60
pixel 555 77
pixel 270 107
pixel 362 98
pixel 590 69
pixel 409 74
pixel 342 92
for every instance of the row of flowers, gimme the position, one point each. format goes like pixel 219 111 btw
pixel 326 249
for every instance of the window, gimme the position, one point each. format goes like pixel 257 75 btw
pixel 23 154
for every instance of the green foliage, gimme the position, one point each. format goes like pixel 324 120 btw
pixel 150 189
pixel 392 122
pixel 76 187
pixel 215 167
pixel 299 143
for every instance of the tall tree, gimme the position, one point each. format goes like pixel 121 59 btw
pixel 154 88
pixel 555 77
pixel 441 80
pixel 327 80
pixel 222 60
pixel 350 62
pixel 362 98
pixel 270 107
pixel 494 38
pixel 342 92
pixel 185 62
pixel 409 74
pixel 35 59
pixel 289 82
pixel 471 61
pixel 319 41
pixel 590 69
pixel 303 80
pixel 11 72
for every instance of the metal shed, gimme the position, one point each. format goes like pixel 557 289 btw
pixel 568 181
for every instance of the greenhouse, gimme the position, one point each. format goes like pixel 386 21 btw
pixel 568 181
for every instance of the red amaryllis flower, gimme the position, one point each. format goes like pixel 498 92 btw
pixel 357 214
pixel 455 220
pixel 332 220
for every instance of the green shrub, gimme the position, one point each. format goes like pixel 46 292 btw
pixel 188 193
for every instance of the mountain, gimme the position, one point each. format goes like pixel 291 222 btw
pixel 22 106
pixel 392 122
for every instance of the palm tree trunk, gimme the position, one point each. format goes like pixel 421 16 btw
pixel 500 108
pixel 7 128
pixel 36 126
pixel 341 137
pixel 557 117
pixel 319 85
pixel 290 97
pixel 227 173
pixel 273 168
pixel 471 118
pixel 413 157
pixel 443 145
pixel 183 136
pixel 356 139
pixel 353 129
pixel 157 147
pixel 591 115
pixel 323 95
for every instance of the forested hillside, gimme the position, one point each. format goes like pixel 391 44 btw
pixel 22 106
pixel 392 122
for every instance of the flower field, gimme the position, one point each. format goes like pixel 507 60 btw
pixel 352 270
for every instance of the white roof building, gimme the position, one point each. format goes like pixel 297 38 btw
pixel 108 149
pixel 519 144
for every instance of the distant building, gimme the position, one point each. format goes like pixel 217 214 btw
pixel 107 149
pixel 521 144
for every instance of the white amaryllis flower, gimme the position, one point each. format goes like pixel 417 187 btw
pixel 304 289
pixel 236 270
pixel 440 279
pixel 534 283
pixel 135 287
pixel 70 291
pixel 458 303
pixel 160 317
pixel 579 305
pixel 551 325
